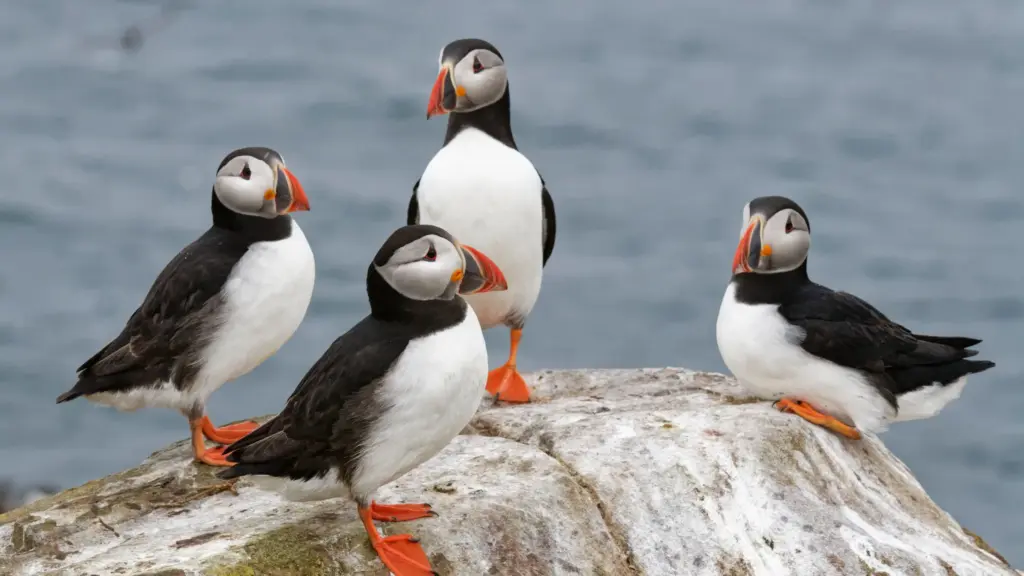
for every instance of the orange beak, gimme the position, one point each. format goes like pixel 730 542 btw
pixel 442 96
pixel 295 191
pixel 481 273
pixel 748 252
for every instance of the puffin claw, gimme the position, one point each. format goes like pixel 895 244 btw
pixel 400 512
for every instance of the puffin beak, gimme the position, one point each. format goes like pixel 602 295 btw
pixel 444 95
pixel 289 195
pixel 480 275
pixel 751 253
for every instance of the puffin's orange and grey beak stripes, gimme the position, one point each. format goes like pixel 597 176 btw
pixel 444 95
pixel 481 273
pixel 748 252
pixel 288 186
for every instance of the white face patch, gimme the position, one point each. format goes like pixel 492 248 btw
pixel 423 268
pixel 482 75
pixel 789 237
pixel 243 185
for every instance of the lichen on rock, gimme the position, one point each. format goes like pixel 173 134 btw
pixel 611 472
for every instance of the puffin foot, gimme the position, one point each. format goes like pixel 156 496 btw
pixel 214 457
pixel 507 385
pixel 400 512
pixel 210 456
pixel 401 554
pixel 807 412
pixel 227 434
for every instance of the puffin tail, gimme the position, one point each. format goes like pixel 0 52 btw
pixel 946 383
pixel 959 342
pixel 69 395
pixel 81 388
pixel 239 470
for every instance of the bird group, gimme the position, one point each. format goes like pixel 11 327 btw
pixel 396 388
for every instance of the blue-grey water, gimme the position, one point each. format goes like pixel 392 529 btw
pixel 898 126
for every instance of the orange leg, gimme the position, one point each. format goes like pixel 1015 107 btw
pixel 807 412
pixel 505 382
pixel 227 434
pixel 402 554
pixel 211 456
pixel 400 512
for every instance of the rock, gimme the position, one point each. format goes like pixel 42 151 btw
pixel 608 472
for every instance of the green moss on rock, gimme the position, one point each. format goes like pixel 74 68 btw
pixel 288 551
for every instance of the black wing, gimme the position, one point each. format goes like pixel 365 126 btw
pixel 850 332
pixel 413 214
pixel 548 235
pixel 162 339
pixel 326 418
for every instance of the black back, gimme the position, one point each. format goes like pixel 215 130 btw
pixel 326 420
pixel 848 331
pixel 164 338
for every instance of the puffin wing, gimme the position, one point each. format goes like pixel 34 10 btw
pixel 163 338
pixel 327 414
pixel 548 231
pixel 845 330
pixel 850 332
pixel 413 213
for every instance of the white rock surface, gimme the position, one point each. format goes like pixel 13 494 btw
pixel 618 472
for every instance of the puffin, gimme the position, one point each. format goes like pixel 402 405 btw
pixel 388 394
pixel 482 189
pixel 223 305
pixel 827 356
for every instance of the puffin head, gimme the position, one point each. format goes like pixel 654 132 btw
pixel 775 238
pixel 255 182
pixel 423 262
pixel 472 75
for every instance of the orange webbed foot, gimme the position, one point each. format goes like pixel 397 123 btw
pixel 400 512
pixel 505 383
pixel 210 456
pixel 508 385
pixel 227 434
pixel 401 554
pixel 807 412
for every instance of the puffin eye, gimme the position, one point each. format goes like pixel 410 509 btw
pixel 431 255
pixel 789 225
pixel 477 66
pixel 246 172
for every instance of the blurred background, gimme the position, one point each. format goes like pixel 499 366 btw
pixel 897 126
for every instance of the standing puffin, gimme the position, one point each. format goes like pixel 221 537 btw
pixel 827 356
pixel 388 394
pixel 222 306
pixel 482 189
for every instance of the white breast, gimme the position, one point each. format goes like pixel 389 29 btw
pixel 762 350
pixel 266 298
pixel 433 389
pixel 488 196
